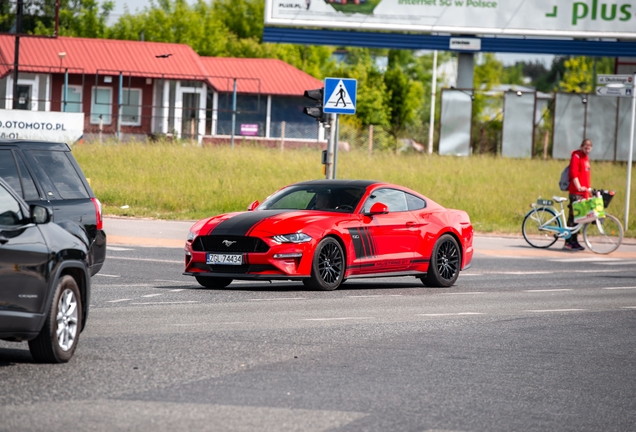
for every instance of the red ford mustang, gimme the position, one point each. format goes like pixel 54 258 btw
pixel 325 231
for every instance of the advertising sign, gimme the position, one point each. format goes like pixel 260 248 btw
pixel 249 129
pixel 41 125
pixel 614 79
pixel 574 18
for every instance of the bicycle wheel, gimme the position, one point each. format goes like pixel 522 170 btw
pixel 603 235
pixel 533 227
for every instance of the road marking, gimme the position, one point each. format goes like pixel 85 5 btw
pixel 116 248
pixel 117 301
pixel 171 281
pixel 276 299
pixel 207 324
pixel 107 275
pixel 628 307
pixel 451 314
pixel 472 274
pixel 374 296
pixel 555 310
pixel 178 290
pixel 620 288
pixel 160 303
pixel 616 263
pixel 576 260
pixel 145 259
pixel 528 272
pixel 151 295
pixel 548 290
pixel 465 293
pixel 337 319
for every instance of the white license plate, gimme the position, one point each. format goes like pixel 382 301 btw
pixel 224 259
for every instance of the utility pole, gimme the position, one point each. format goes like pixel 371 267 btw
pixel 16 56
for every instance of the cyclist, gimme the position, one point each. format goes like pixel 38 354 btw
pixel 580 182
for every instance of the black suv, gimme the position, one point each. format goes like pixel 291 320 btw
pixel 47 174
pixel 44 280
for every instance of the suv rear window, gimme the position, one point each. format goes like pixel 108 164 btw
pixel 62 173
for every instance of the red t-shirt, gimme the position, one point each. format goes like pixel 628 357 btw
pixel 580 167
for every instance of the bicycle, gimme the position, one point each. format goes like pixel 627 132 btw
pixel 544 225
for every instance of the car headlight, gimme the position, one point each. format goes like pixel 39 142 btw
pixel 191 236
pixel 292 238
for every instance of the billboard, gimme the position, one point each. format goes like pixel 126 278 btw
pixel 565 18
pixel 41 125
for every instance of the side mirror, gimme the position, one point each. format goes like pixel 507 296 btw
pixel 253 205
pixel 40 214
pixel 378 208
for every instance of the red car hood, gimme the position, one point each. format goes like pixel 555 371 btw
pixel 267 222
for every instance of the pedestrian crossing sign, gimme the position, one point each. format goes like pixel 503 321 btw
pixel 340 96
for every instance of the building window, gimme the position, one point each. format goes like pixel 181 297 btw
pixel 131 107
pixel 73 99
pixel 101 105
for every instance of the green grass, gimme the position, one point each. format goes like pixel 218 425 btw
pixel 172 181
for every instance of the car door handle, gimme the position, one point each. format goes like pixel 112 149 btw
pixel 411 224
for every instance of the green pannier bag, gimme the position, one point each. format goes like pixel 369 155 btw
pixel 588 210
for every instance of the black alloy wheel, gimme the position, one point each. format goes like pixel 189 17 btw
pixel 59 336
pixel 328 267
pixel 444 267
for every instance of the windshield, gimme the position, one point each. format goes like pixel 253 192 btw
pixel 315 197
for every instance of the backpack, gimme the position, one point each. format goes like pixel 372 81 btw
pixel 564 182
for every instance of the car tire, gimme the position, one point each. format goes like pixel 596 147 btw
pixel 59 336
pixel 445 264
pixel 328 266
pixel 213 282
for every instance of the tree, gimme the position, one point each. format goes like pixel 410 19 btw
pixel 404 98
pixel 80 18
pixel 579 75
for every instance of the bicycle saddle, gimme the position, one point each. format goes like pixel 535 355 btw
pixel 559 199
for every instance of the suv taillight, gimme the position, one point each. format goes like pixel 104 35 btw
pixel 98 213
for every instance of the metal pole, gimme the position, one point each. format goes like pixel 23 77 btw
pixel 233 113
pixel 335 146
pixel 330 141
pixel 631 153
pixel 16 56
pixel 433 93
pixel 119 102
pixel 65 96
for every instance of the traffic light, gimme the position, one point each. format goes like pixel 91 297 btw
pixel 316 110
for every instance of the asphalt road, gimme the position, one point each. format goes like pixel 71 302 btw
pixel 526 340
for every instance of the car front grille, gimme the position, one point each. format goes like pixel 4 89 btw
pixel 216 243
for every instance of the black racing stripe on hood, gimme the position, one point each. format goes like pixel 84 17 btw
pixel 241 224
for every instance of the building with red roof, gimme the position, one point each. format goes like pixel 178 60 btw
pixel 144 89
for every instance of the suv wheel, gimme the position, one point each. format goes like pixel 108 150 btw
pixel 58 338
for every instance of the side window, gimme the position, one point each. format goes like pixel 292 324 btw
pixel 9 171
pixel 10 212
pixel 131 107
pixel 62 173
pixel 29 191
pixel 101 105
pixel 395 200
pixel 414 202
pixel 73 98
